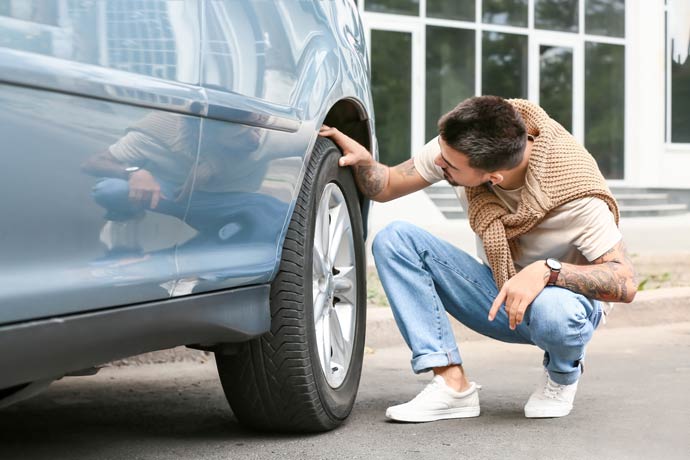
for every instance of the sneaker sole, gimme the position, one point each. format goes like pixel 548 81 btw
pixel 465 412
pixel 551 413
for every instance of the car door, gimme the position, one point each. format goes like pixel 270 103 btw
pixel 260 63
pixel 92 95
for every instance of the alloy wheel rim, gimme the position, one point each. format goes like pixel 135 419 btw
pixel 334 277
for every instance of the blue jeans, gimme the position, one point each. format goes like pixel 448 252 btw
pixel 425 277
pixel 217 214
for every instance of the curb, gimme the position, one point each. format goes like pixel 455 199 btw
pixel 650 308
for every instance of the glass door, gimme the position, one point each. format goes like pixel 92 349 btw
pixel 396 75
pixel 556 79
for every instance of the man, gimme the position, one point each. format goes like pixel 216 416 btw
pixel 548 238
pixel 159 165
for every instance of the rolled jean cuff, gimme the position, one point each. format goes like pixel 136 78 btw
pixel 563 378
pixel 425 363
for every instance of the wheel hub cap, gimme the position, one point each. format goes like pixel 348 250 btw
pixel 334 293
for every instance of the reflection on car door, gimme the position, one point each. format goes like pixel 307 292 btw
pixel 76 235
pixel 253 144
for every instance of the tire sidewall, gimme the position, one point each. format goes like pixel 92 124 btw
pixel 337 402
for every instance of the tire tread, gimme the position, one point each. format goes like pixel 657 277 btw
pixel 270 383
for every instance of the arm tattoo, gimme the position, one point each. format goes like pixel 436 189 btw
pixel 610 277
pixel 407 168
pixel 371 179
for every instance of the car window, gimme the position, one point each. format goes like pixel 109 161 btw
pixel 158 38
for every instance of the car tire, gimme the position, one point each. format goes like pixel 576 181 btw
pixel 295 378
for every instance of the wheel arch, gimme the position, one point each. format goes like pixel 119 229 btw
pixel 351 118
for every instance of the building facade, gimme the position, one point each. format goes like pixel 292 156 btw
pixel 615 73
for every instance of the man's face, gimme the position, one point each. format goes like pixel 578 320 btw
pixel 456 167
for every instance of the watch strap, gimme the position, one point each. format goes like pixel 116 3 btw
pixel 553 277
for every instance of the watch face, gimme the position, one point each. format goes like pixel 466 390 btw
pixel 553 264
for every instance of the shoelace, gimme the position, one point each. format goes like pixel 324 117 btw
pixel 552 389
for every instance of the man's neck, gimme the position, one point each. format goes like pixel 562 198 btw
pixel 515 178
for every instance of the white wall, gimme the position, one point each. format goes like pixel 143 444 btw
pixel 651 162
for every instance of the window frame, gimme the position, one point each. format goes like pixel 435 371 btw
pixel 670 146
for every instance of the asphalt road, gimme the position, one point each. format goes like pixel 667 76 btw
pixel 633 403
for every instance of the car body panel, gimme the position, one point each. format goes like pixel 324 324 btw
pixel 62 249
pixel 47 349
pixel 245 180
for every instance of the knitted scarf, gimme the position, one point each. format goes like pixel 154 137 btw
pixel 560 170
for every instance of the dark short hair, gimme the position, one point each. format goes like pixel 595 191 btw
pixel 488 130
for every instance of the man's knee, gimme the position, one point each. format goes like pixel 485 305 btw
pixel 556 316
pixel 389 238
pixel 113 196
pixel 111 193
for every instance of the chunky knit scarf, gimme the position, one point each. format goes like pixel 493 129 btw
pixel 559 170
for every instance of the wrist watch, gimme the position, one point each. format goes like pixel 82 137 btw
pixel 555 267
pixel 130 169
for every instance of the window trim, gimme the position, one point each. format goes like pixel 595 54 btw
pixel 668 91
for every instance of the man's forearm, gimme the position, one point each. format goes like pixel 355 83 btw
pixel 104 165
pixel 599 282
pixel 612 281
pixel 372 178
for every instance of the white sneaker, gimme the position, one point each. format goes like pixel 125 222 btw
pixel 551 399
pixel 437 402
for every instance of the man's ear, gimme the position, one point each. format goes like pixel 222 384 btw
pixel 495 178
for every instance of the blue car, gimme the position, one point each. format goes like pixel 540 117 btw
pixel 163 184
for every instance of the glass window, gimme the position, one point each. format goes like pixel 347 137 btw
pixel 680 101
pixel 559 15
pixel 605 17
pixel 605 106
pixel 678 28
pixel 449 72
pixel 461 10
pixel 504 64
pixel 408 7
pixel 556 83
pixel 505 12
pixel 391 81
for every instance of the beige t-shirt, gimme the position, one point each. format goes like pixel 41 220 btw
pixel 577 232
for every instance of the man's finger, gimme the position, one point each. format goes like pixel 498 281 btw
pixel 155 198
pixel 327 131
pixel 497 304
pixel 522 311
pixel 517 312
pixel 512 314
pixel 346 160
pixel 520 314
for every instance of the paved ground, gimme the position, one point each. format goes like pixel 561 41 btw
pixel 633 403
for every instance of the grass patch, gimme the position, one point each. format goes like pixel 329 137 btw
pixel 375 294
pixel 655 281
